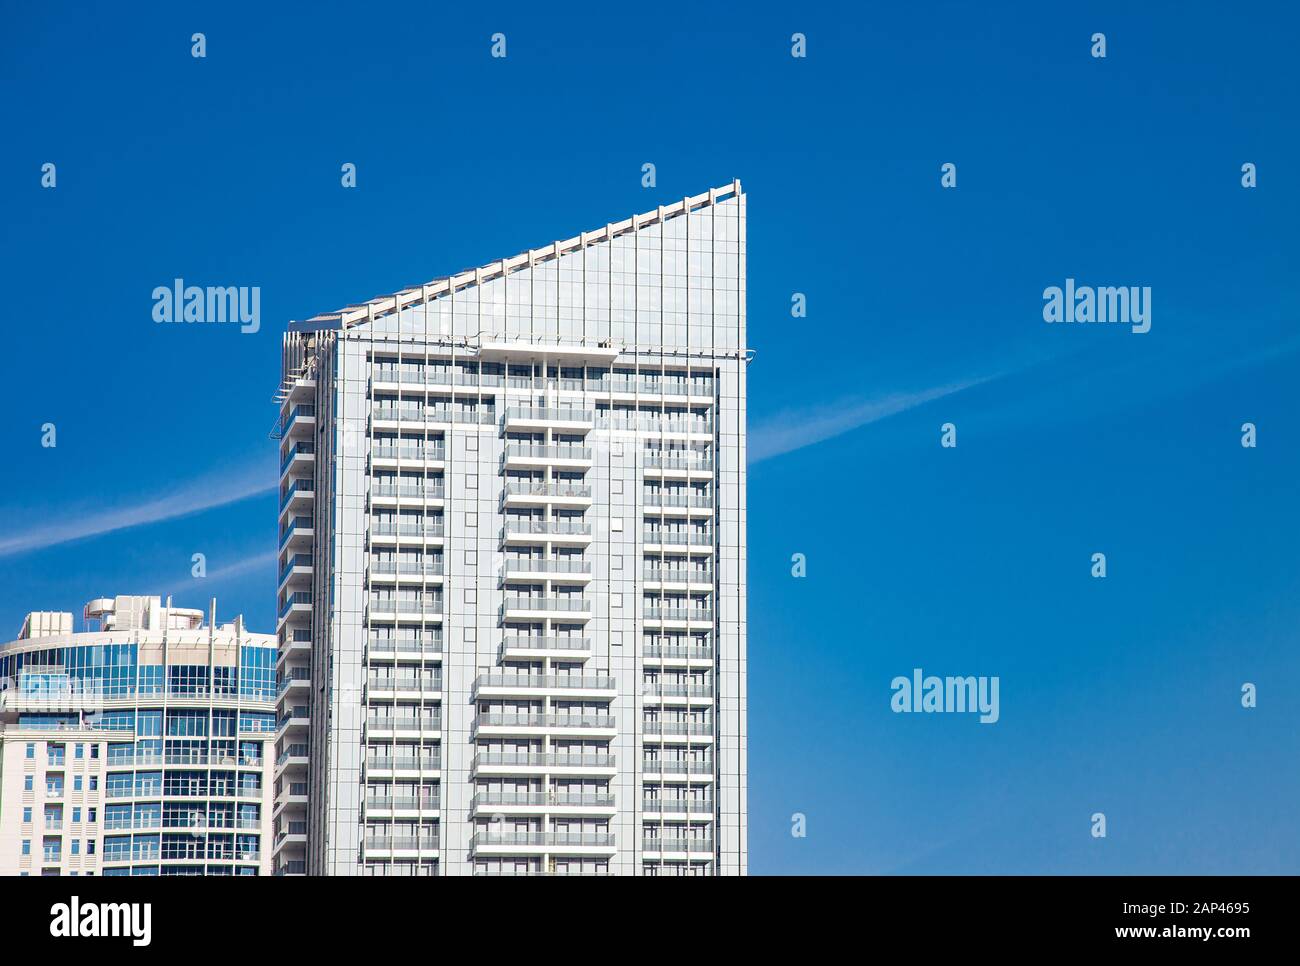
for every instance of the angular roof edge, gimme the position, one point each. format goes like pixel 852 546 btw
pixel 388 304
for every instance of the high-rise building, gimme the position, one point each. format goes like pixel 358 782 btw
pixel 512 564
pixel 139 746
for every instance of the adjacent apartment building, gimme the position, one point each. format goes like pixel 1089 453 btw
pixel 137 746
pixel 511 602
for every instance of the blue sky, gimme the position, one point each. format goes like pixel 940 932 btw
pixel 924 306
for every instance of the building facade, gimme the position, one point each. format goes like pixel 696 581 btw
pixel 512 564
pixel 140 746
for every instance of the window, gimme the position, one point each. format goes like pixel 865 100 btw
pixel 27 846
pixel 94 751
pixel 31 750
pixel 27 783
pixel 94 783
pixel 76 815
pixel 90 847
pixel 27 814
pixel 91 816
pixel 76 847
pixel 76 783
pixel 79 752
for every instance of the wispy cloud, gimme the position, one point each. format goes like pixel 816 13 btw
pixel 195 496
pixel 219 575
pixel 792 430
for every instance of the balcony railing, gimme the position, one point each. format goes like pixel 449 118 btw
pixel 528 488
pixel 678 613
pixel 407 802
pixel 516 799
pixel 301 597
pixel 403 764
pixel 693 538
pixel 489 719
pixel 678 500
pixel 434 414
pixel 650 423
pixel 405 684
pixel 394 843
pixel 303 409
pixel 430 568
pixel 569 605
pixel 296 450
pixel 547 643
pixel 493 837
pixel 380 529
pixel 384 605
pixel 516 526
pixel 433 375
pixel 297 560
pixel 671 807
pixel 404 723
pixel 530 451
pixel 696 728
pixel 548 414
pixel 656 766
pixel 538 759
pixel 297 486
pixel 668 689
pixel 681 652
pixel 668 461
pixel 545 565
pixel 413 490
pixel 677 845
pixel 384 451
pixel 576 682
pixel 678 575
pixel 404 645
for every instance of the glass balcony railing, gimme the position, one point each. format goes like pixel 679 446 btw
pixel 577 682
pixel 516 487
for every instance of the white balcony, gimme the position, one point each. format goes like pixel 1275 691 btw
pixel 529 531
pixel 523 724
pixel 404 687
pixel 407 494
pixel 407 534
pixel 530 493
pixel 299 457
pixel 404 726
pixel 542 763
pixel 566 569
pixel 540 803
pixel 670 771
pixel 533 419
pixel 536 648
pixel 385 456
pixel 569 686
pixel 532 456
pixel 675 810
pixel 570 610
pixel 494 842
pixel 676 849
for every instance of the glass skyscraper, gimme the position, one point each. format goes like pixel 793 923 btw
pixel 512 571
